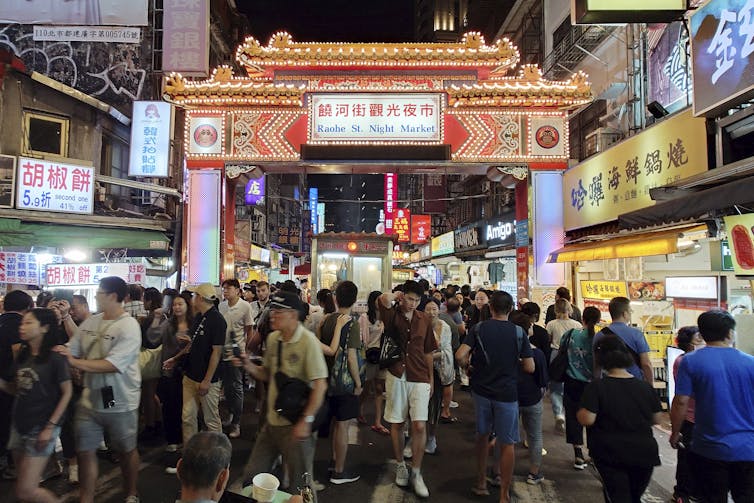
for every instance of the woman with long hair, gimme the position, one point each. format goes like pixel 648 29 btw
pixel 442 372
pixel 619 411
pixel 371 335
pixel 578 375
pixel 326 301
pixel 43 389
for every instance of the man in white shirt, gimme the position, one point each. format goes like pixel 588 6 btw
pixel 237 314
pixel 106 348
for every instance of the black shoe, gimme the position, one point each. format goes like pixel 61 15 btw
pixel 343 477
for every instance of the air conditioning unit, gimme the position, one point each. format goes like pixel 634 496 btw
pixel 600 139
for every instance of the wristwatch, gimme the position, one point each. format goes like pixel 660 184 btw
pixel 309 419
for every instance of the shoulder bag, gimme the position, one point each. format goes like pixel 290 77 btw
pixel 293 395
pixel 559 364
pixel 391 351
pixel 341 381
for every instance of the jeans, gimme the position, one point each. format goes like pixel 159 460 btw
pixel 556 397
pixel 209 404
pixel 623 484
pixel 170 391
pixel 572 391
pixel 531 417
pixel 67 432
pixel 233 390
pixel 719 477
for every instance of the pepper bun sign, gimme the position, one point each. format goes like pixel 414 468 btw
pixel 54 186
pixel 741 242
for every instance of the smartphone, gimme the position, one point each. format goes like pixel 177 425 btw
pixel 236 350
pixel 108 397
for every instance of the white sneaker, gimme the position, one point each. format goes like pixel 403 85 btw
pixel 132 499
pixel 544 451
pixel 171 448
pixel 420 488
pixel 235 431
pixel 401 475
pixel 431 446
pixel 408 452
pixel 453 404
pixel 73 474
pixel 560 424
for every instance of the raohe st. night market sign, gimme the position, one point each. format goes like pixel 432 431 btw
pixel 617 181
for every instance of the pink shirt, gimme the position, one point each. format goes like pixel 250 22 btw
pixel 692 403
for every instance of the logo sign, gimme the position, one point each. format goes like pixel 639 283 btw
pixel 626 11
pixel 501 231
pixel 185 38
pixel 150 139
pixel 618 180
pixel 254 192
pixel 470 237
pixel 421 228
pixel 443 244
pixel 91 274
pixel 722 48
pixel 375 117
pixel 741 241
pixel 313 215
pixel 402 226
pixel 603 290
pixel 546 136
pixel 694 287
pixel 391 188
pixel 206 135
pixel 53 186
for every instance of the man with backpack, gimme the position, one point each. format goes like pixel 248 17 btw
pixel 341 341
pixel 633 338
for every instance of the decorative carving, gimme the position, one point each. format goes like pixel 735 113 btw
pixel 236 170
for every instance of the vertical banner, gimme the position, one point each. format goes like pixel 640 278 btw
pixel 185 40
pixel 390 191
pixel 522 245
pixel 203 226
pixel 151 130
pixel 314 216
pixel 421 228
pixel 254 192
pixel 434 192
pixel 547 221
pixel 320 218
pixel 402 225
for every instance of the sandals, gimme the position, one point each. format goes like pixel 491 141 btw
pixel 480 491
pixel 361 420
pixel 380 429
pixel 448 420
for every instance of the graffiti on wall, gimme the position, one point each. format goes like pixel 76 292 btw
pixel 112 72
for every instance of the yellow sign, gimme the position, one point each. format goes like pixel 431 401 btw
pixel 618 181
pixel 603 290
pixel 741 242
pixel 632 5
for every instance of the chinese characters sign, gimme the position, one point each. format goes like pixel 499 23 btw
pixel 443 244
pixel 722 47
pixel 289 236
pixel 603 290
pixel 24 268
pixel 421 228
pixel 185 40
pixel 53 186
pixel 91 274
pixel 110 34
pixel 401 225
pixel 618 181
pixel 375 117
pixel 150 139
pixel 391 189
pixel 313 215
pixel 254 191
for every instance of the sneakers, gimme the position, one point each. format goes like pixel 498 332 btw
pixel 560 424
pixel 132 499
pixel 343 477
pixel 420 488
pixel 318 486
pixel 235 431
pixel 534 480
pixel 401 475
pixel 431 446
pixel 229 422
pixel 171 448
pixel 73 474
pixel 408 452
pixel 453 405
pixel 579 464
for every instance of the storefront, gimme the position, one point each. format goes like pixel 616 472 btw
pixel 444 266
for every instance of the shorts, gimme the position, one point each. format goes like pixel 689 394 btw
pixel 498 417
pixel 373 371
pixel 404 398
pixel 343 407
pixel 120 427
pixel 26 443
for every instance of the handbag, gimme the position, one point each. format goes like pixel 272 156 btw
pixel 293 395
pixel 390 351
pixel 150 363
pixel 559 364
pixel 341 380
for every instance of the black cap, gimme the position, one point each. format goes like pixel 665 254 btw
pixel 287 300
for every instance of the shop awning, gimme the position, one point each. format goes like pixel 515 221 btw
pixel 691 206
pixel 13 232
pixel 637 245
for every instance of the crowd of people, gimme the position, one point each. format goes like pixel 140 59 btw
pixel 155 366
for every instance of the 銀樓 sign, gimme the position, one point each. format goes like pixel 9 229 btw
pixel 375 117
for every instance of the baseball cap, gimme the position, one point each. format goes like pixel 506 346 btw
pixel 205 290
pixel 286 300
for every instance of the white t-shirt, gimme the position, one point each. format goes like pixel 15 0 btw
pixel 119 342
pixel 556 328
pixel 238 317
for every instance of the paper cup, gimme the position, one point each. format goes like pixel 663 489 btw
pixel 264 487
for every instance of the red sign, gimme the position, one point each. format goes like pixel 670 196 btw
pixel 421 229
pixel 391 189
pixel 91 274
pixel 402 225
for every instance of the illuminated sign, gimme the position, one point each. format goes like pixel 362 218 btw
pixel 375 117
pixel 25 268
pixel 91 274
pixel 151 130
pixel 203 227
pixel 470 237
pixel 603 290
pixel 618 180
pixel 206 135
pixel 313 215
pixel 320 218
pixel 54 186
pixel 501 231
pixel 254 191
pixel 696 287
pixel 626 11
pixel 741 243
pixel 443 244
pixel 421 228
pixel 391 187
pixel 185 37
pixel 402 226
pixel 722 48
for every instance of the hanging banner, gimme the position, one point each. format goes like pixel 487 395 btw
pixel 185 38
pixel 314 216
pixel 151 130
pixel 391 189
pixel 53 186
pixel 421 228
pixel 434 194
pixel 91 274
pixel 402 226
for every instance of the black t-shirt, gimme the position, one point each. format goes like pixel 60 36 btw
pixel 622 433
pixel 541 339
pixel 550 314
pixel 208 330
pixel 530 385
pixel 327 332
pixel 9 323
pixel 495 376
pixel 38 390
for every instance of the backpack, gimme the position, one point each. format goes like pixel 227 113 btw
pixel 341 381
